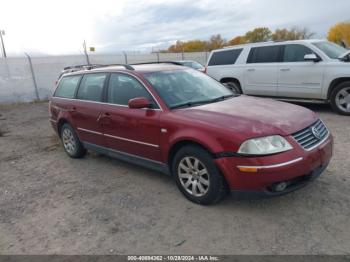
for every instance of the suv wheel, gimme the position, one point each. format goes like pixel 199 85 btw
pixel 234 87
pixel 71 142
pixel 340 99
pixel 197 177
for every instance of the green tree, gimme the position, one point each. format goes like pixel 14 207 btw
pixel 216 41
pixel 260 34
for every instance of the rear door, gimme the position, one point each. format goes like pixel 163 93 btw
pixel 260 76
pixel 87 108
pixel 130 131
pixel 299 78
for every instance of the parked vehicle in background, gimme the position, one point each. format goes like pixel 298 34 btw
pixel 182 122
pixel 301 70
pixel 192 64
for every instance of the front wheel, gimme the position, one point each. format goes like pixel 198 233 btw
pixel 340 99
pixel 197 177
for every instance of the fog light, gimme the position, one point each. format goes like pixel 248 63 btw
pixel 279 187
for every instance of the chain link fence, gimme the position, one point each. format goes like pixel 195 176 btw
pixel 27 79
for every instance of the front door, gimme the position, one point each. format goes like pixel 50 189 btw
pixel 130 131
pixel 299 78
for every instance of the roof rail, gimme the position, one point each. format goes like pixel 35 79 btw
pixel 159 62
pixel 92 66
pixel 126 66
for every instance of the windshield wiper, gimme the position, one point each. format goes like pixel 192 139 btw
pixel 201 102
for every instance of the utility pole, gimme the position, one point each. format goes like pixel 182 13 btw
pixel 86 54
pixel 2 32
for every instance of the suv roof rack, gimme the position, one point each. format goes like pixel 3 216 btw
pixel 92 66
pixel 159 62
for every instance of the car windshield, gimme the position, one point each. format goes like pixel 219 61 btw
pixel 194 65
pixel 330 49
pixel 185 88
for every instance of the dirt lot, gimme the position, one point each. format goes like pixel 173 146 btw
pixel 51 204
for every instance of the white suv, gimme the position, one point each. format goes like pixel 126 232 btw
pixel 301 70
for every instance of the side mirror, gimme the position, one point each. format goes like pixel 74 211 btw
pixel 312 57
pixel 139 102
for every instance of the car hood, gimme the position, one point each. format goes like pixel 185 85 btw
pixel 252 116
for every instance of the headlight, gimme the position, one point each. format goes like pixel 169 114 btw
pixel 264 146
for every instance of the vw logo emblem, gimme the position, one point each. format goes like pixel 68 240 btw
pixel 315 132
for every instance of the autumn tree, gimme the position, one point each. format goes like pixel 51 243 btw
pixel 340 34
pixel 238 40
pixel 260 34
pixel 294 33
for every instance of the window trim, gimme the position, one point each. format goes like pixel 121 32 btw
pixel 254 48
pixel 283 49
pixel 103 88
pixel 76 88
pixel 105 100
pixel 240 50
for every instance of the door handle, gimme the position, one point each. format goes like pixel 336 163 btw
pixel 285 69
pixel 251 69
pixel 73 109
pixel 104 115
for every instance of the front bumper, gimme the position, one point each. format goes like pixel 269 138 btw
pixel 297 167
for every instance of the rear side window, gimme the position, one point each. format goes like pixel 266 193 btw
pixel 67 86
pixel 265 54
pixel 91 87
pixel 225 57
pixel 123 87
pixel 295 53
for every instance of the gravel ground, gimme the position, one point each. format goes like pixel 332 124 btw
pixel 51 204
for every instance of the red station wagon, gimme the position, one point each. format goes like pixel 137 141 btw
pixel 182 122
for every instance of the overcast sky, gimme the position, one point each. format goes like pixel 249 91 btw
pixel 60 26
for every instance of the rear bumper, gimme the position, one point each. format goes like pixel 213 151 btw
pixel 297 167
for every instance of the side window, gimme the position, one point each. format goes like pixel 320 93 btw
pixel 265 54
pixel 91 87
pixel 225 57
pixel 67 86
pixel 123 87
pixel 295 53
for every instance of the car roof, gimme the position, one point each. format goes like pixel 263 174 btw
pixel 269 43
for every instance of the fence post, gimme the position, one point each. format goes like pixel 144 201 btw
pixel 158 57
pixel 33 76
pixel 125 57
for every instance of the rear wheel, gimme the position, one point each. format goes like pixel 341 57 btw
pixel 71 142
pixel 197 177
pixel 340 99
pixel 234 87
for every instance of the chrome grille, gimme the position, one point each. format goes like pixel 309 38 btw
pixel 311 136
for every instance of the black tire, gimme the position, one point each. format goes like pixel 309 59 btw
pixel 217 187
pixel 234 87
pixel 78 151
pixel 339 88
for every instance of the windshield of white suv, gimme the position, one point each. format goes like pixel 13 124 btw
pixel 330 49
pixel 186 88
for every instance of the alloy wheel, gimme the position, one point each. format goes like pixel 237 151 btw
pixel 342 99
pixel 193 176
pixel 69 141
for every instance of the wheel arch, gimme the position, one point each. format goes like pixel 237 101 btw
pixel 231 79
pixel 335 83
pixel 60 123
pixel 174 148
